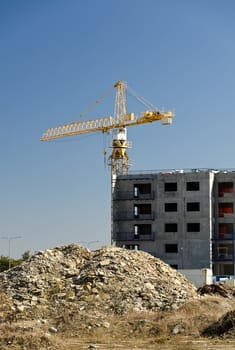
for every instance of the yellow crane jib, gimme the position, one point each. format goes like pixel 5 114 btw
pixel 105 124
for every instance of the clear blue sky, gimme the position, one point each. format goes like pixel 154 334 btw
pixel 57 57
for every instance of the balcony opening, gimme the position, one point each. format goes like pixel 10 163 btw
pixel 170 186
pixel 131 246
pixel 142 189
pixel 193 206
pixel 226 230
pixel 193 186
pixel 170 207
pixel 225 187
pixel 142 210
pixel 224 252
pixel 142 229
pixel 225 208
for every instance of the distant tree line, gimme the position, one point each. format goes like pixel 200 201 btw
pixel 6 263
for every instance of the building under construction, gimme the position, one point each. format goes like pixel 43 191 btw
pixel 184 217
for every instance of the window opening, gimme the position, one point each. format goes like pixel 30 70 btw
pixel 225 187
pixel 226 230
pixel 171 227
pixel 193 186
pixel 193 206
pixel 142 229
pixel 170 206
pixel 142 209
pixel 225 208
pixel 170 186
pixel 171 248
pixel 193 227
pixel 142 189
pixel 174 266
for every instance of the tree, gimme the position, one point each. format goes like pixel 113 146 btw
pixel 26 255
pixel 5 263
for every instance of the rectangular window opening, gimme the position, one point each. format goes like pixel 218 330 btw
pixel 193 227
pixel 171 248
pixel 174 266
pixel 170 207
pixel 171 227
pixel 225 187
pixel 170 186
pixel 225 208
pixel 193 206
pixel 193 186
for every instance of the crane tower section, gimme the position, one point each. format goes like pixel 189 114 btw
pixel 119 159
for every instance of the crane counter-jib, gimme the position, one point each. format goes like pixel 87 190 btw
pixel 105 124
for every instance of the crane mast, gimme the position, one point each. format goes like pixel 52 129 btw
pixel 118 160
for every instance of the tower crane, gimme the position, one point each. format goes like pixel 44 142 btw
pixel 119 159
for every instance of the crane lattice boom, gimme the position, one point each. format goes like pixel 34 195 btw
pixel 105 124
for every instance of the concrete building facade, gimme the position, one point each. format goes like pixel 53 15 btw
pixel 186 218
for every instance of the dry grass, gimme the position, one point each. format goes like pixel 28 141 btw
pixel 178 329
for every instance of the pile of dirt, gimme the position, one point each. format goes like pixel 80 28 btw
pixel 222 290
pixel 225 326
pixel 107 280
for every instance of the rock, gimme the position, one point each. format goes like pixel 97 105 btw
pixel 52 330
pixel 20 308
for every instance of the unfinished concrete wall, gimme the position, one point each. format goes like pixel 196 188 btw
pixel 169 215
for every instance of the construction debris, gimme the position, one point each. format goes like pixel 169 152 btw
pixel 225 326
pixel 108 280
pixel 220 289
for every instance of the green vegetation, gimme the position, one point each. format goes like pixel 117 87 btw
pixel 6 263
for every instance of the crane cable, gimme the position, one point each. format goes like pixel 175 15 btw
pixel 93 105
pixel 141 99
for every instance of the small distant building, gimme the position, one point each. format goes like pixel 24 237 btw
pixel 184 217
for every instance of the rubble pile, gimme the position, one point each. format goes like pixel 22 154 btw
pixel 108 280
pixel 225 326
pixel 222 290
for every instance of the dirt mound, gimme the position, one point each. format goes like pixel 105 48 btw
pixel 225 326
pixel 217 289
pixel 108 280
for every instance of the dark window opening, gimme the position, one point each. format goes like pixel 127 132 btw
pixel 140 189
pixel 193 206
pixel 193 186
pixel 193 227
pixel 225 230
pixel 171 227
pixel 170 186
pixel 174 266
pixel 225 187
pixel 171 248
pixel 225 208
pixel 170 206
